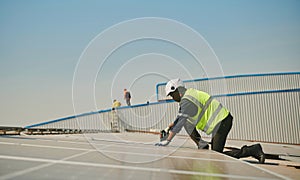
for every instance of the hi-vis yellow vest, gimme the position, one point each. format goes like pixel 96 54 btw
pixel 210 111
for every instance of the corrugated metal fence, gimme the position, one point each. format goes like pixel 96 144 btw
pixel 265 108
pixel 239 83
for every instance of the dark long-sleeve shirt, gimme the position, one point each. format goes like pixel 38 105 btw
pixel 187 109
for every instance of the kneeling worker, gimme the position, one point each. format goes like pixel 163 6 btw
pixel 198 110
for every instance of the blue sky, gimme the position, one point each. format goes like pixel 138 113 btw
pixel 42 41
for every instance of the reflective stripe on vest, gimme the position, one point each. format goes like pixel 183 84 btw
pixel 203 107
pixel 207 125
pixel 211 119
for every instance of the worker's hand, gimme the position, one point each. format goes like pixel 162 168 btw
pixel 163 135
pixel 163 143
pixel 203 144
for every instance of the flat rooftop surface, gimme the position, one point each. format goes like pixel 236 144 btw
pixel 127 156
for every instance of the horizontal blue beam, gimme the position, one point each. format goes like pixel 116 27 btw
pixel 237 76
pixel 96 112
pixel 161 102
pixel 259 92
pixel 231 76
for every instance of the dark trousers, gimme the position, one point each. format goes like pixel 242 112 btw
pixel 219 135
pixel 128 102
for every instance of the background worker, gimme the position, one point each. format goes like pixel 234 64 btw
pixel 127 97
pixel 115 104
pixel 114 124
pixel 198 110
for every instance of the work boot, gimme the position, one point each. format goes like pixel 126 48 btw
pixel 254 151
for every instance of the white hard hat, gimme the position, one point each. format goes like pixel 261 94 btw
pixel 172 85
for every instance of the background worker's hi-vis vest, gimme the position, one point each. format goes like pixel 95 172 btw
pixel 210 111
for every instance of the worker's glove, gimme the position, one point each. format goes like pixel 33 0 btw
pixel 167 129
pixel 163 143
pixel 164 134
